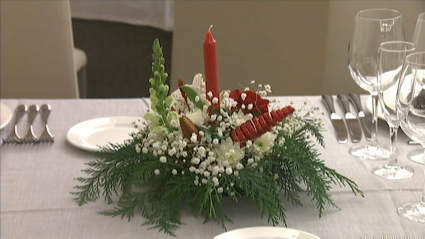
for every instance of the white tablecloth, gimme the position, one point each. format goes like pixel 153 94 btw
pixel 158 14
pixel 36 180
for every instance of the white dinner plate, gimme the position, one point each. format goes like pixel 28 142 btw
pixel 6 115
pixel 266 233
pixel 95 133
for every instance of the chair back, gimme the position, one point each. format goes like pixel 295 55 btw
pixel 37 50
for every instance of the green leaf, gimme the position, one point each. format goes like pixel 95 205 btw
pixel 191 94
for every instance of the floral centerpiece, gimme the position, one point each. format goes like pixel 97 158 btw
pixel 196 147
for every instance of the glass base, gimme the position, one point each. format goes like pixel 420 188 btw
pixel 370 152
pixel 413 212
pixel 417 156
pixel 393 171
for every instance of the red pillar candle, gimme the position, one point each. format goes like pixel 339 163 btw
pixel 211 69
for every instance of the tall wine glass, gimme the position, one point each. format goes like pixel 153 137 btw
pixel 391 56
pixel 419 34
pixel 419 40
pixel 412 120
pixel 372 27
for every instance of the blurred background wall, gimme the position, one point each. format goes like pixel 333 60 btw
pixel 299 47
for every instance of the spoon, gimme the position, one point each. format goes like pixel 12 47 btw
pixel 32 114
pixel 14 136
pixel 46 136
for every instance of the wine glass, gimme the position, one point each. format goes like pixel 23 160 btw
pixel 419 34
pixel 412 120
pixel 391 56
pixel 372 27
pixel 419 40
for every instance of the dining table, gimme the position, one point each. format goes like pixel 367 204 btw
pixel 37 180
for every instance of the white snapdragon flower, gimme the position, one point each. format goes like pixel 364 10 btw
pixel 265 142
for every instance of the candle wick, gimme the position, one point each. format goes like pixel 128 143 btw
pixel 209 29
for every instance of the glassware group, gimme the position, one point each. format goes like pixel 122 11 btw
pixel 393 72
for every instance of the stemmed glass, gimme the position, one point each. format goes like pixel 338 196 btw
pixel 419 40
pixel 412 120
pixel 419 34
pixel 372 27
pixel 391 56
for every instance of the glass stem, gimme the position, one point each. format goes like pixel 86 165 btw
pixel 393 142
pixel 422 203
pixel 374 129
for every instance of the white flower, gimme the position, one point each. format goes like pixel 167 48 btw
pixel 196 117
pixel 195 160
pixel 194 138
pixel 156 171
pixel 229 170
pixel 265 142
pixel 210 94
pixel 220 190
pixel 215 181
pixel 239 166
pixel 163 159
pixel 174 172
pixel 172 151
pixel 243 96
pixel 198 86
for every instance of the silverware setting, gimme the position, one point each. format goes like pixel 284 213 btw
pixel 365 119
pixel 337 121
pixel 32 111
pixel 354 124
pixel 351 120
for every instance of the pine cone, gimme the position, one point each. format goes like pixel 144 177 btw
pixel 259 125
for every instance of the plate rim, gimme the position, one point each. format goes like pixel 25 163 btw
pixel 71 134
pixel 263 228
pixel 6 122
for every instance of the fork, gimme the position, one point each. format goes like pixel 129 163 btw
pixel 32 114
pixel 14 136
pixel 46 136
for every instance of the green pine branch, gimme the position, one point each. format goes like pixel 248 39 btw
pixel 302 164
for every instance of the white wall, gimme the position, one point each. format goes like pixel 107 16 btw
pixel 36 57
pixel 299 47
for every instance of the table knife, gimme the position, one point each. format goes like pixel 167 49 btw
pixel 337 121
pixel 353 124
pixel 365 120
